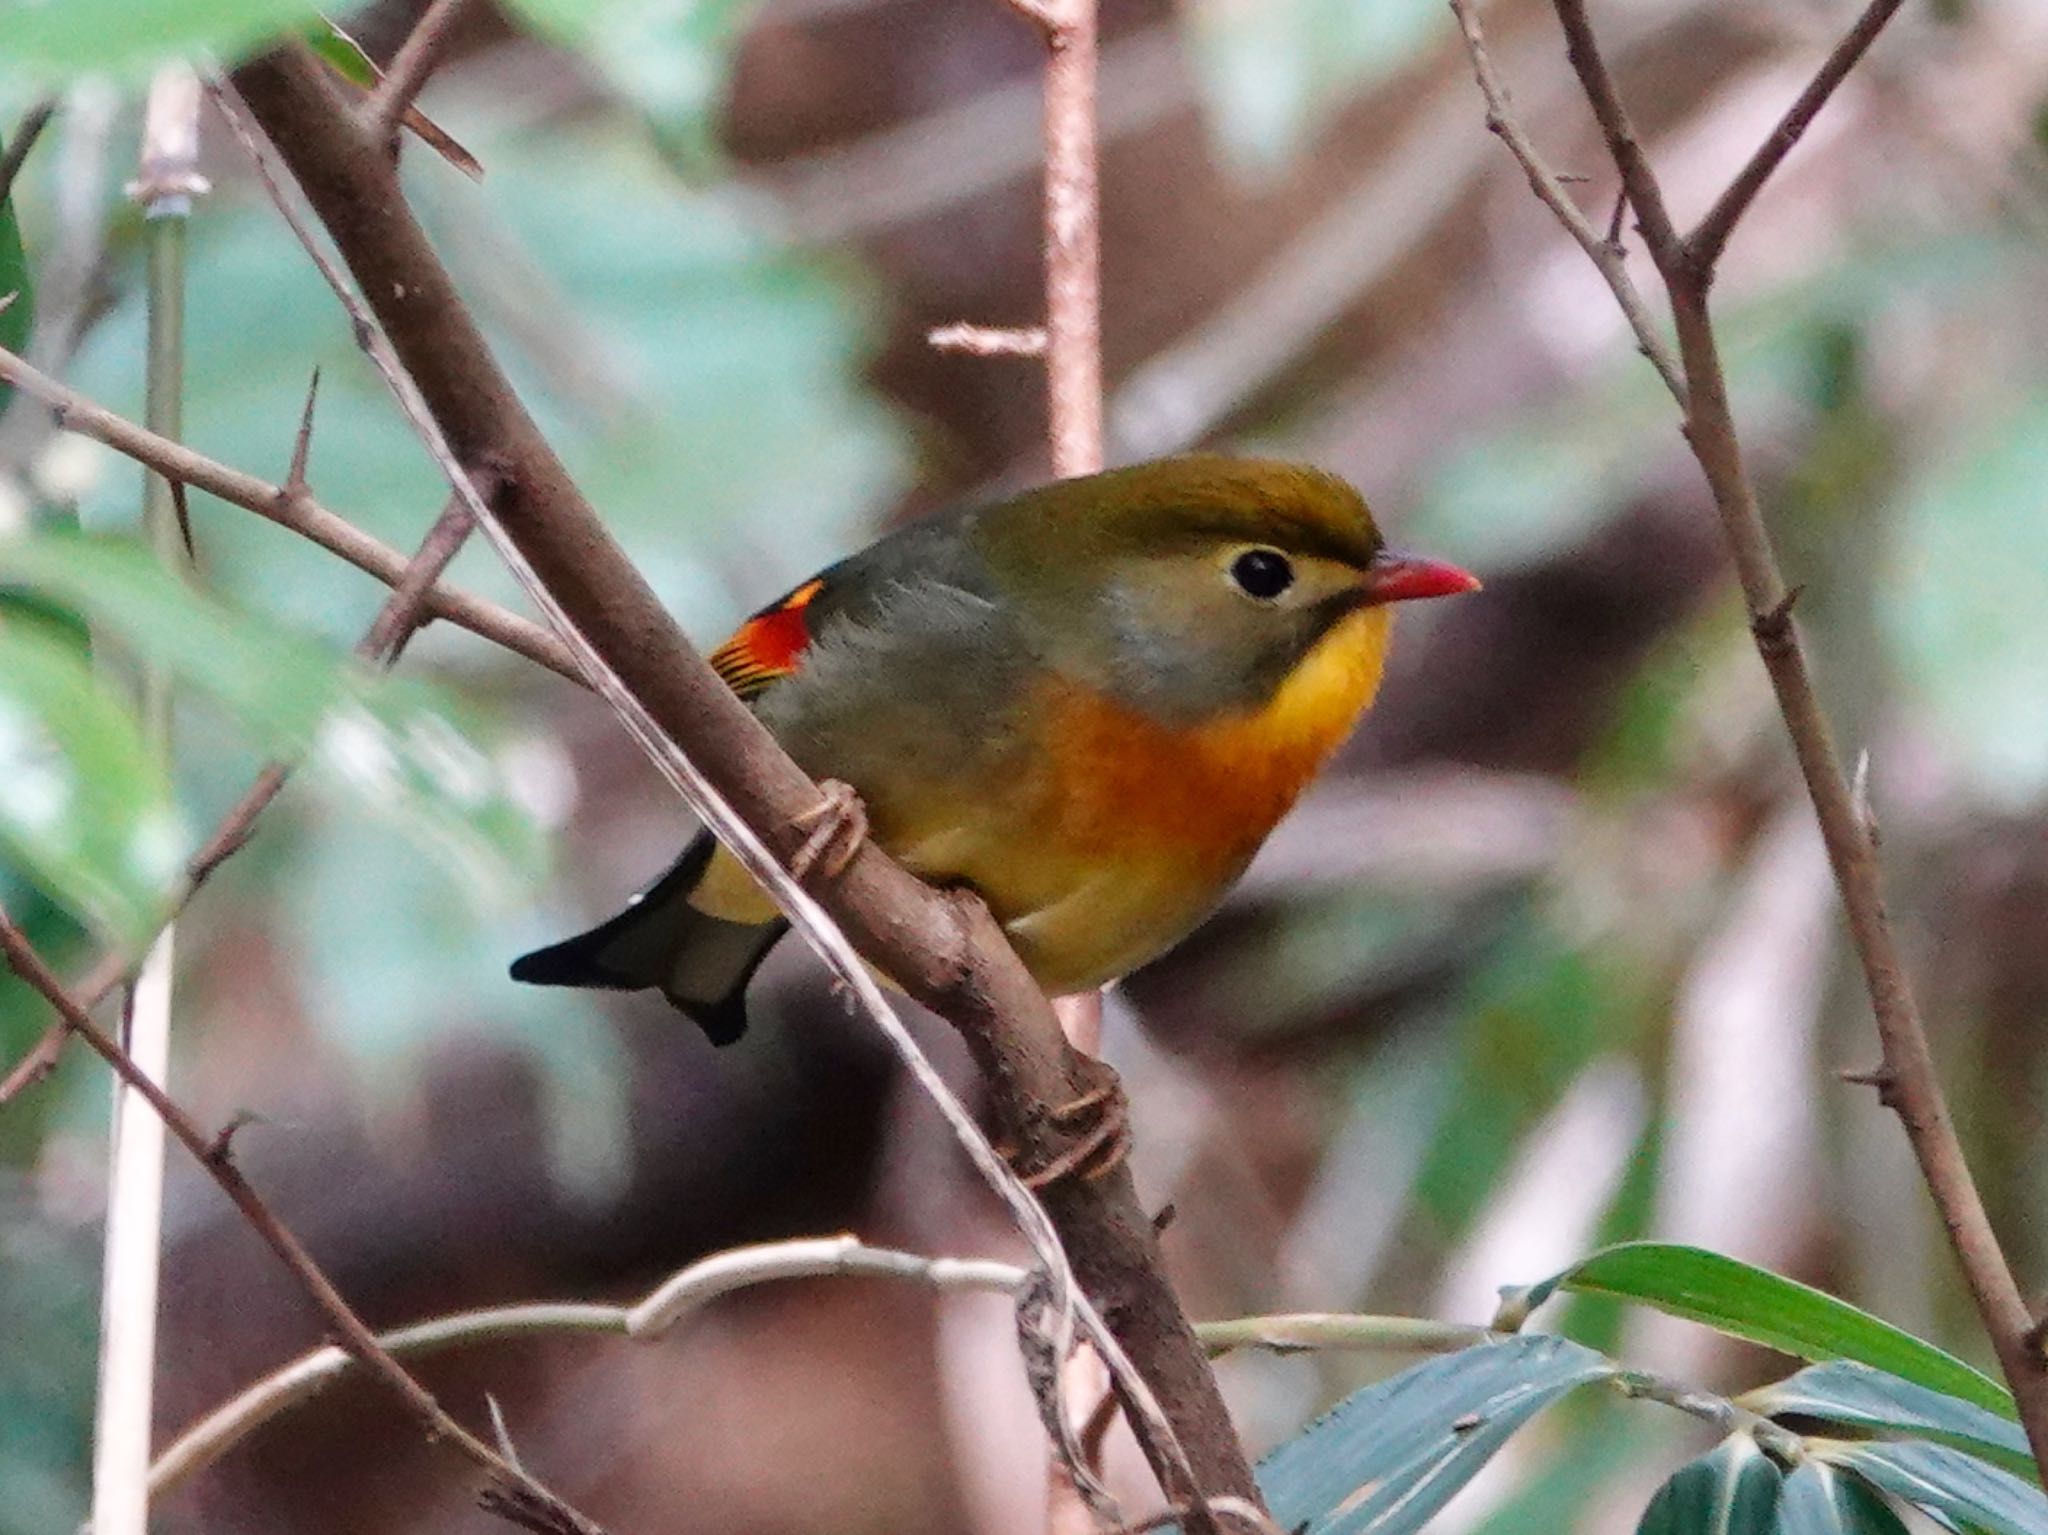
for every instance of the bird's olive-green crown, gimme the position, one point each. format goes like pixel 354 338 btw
pixel 1140 581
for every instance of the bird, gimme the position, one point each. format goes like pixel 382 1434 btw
pixel 1089 704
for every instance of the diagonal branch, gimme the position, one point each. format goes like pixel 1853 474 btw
pixel 1906 1080
pixel 1710 236
pixel 943 950
pixel 417 58
pixel 403 613
pixel 288 508
pixel 1637 179
pixel 1603 250
pixel 509 1491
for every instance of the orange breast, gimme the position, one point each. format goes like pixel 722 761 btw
pixel 1125 786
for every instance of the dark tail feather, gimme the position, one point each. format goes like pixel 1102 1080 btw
pixel 702 964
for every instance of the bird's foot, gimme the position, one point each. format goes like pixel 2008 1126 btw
pixel 838 827
pixel 1101 1120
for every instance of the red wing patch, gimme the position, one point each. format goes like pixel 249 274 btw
pixel 767 646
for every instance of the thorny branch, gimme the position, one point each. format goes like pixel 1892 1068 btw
pixel 509 1491
pixel 398 619
pixel 288 506
pixel 418 56
pixel 945 951
pixel 1906 1079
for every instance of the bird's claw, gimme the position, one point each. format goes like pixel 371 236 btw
pixel 1103 1121
pixel 838 827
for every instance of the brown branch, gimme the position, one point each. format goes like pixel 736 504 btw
pixel 384 109
pixel 1906 1075
pixel 1710 236
pixel 944 950
pixel 289 509
pixel 401 616
pixel 1637 179
pixel 1604 251
pixel 1073 239
pixel 508 1491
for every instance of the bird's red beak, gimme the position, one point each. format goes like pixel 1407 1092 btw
pixel 1395 577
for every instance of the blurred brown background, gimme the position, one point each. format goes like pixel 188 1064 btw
pixel 1550 958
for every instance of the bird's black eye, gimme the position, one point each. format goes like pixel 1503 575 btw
pixel 1262 573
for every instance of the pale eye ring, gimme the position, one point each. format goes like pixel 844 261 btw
pixel 1262 574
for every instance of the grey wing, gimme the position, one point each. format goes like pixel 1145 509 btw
pixel 908 690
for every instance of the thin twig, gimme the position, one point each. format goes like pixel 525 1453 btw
pixel 669 1304
pixel 418 56
pixel 988 340
pixel 1603 251
pixel 1710 236
pixel 298 512
pixel 26 131
pixel 548 1512
pixel 1637 179
pixel 1312 1331
pixel 1910 1084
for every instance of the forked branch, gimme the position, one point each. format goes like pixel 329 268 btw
pixel 1687 266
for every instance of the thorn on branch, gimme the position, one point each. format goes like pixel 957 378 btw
pixel 302 445
pixel 1881 1077
pixel 182 509
pixel 1773 626
pixel 1614 220
pixel 220 1151
pixel 2036 1340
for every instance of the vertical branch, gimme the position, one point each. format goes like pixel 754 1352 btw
pixel 1906 1079
pixel 168 182
pixel 1073 242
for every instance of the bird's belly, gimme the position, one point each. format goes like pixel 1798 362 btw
pixel 1078 917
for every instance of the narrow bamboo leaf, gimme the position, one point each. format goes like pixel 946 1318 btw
pixel 18 318
pixel 1820 1500
pixel 1387 1458
pixel 1955 1487
pixel 85 810
pixel 1731 1490
pixel 1747 1302
pixel 1842 1391
pixel 390 741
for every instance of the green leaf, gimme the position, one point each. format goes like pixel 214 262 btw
pixel 1270 71
pixel 1747 1302
pixel 85 808
pixel 1958 1488
pixel 1387 1458
pixel 1731 1490
pixel 389 740
pixel 18 318
pixel 87 36
pixel 1819 1500
pixel 1845 1392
